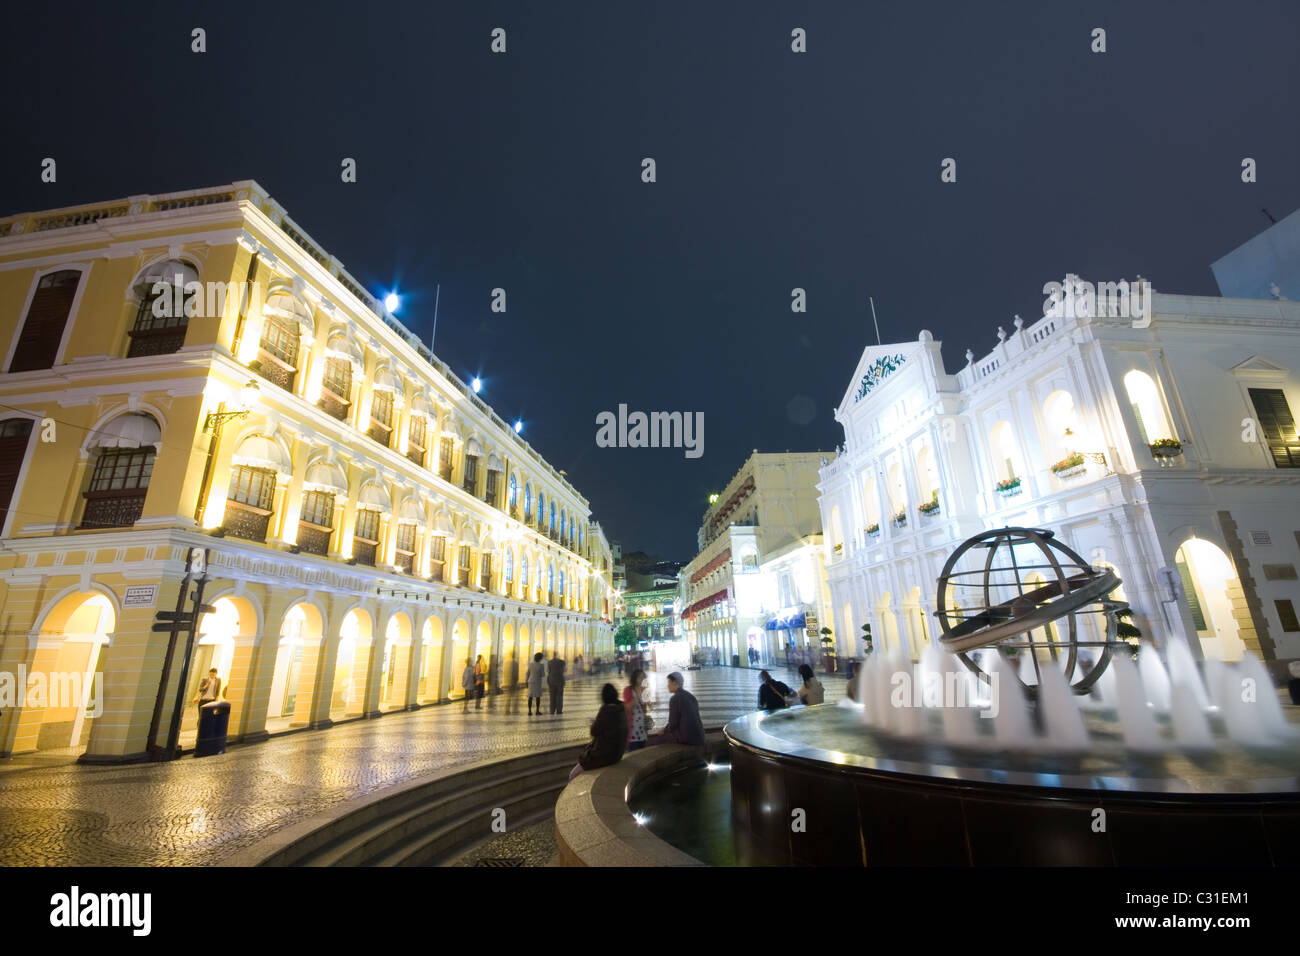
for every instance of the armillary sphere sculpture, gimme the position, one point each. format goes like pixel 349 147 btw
pixel 1019 588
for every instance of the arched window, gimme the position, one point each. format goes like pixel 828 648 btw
pixel 528 500
pixel 45 322
pixel 383 402
pixel 126 448
pixel 15 435
pixel 927 475
pixel 541 511
pixel 342 360
pixel 523 575
pixel 550 583
pixel 251 493
pixel 509 566
pixel 514 496
pixel 552 519
pixel 283 318
pixel 1006 456
pixel 165 308
pixel 1153 424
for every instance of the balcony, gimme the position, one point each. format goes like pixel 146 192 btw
pixel 245 521
pixel 363 552
pixel 313 539
pixel 415 454
pixel 444 471
pixel 274 371
pixel 155 341
pixel 112 510
pixel 405 561
pixel 333 406
pixel 462 577
pixel 380 433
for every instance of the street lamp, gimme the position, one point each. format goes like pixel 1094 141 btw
pixel 214 422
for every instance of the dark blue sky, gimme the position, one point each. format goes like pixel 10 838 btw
pixel 775 170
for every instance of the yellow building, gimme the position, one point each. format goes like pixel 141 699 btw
pixel 192 371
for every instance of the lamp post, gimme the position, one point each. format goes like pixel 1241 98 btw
pixel 214 422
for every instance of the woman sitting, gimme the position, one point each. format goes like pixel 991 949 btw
pixel 608 732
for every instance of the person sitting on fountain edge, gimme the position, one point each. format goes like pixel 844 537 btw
pixel 772 694
pixel 684 723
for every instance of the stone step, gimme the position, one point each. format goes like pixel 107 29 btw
pixel 451 839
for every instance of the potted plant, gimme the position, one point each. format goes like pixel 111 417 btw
pixel 1166 448
pixel 828 649
pixel 837 548
pixel 931 507
pixel 1009 486
pixel 900 519
pixel 1068 465
pixel 873 529
pixel 1127 632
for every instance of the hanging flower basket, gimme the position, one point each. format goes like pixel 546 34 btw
pixel 1166 448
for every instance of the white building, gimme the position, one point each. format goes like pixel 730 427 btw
pixel 1168 444
pixel 732 588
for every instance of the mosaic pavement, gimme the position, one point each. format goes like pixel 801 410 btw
pixel 197 812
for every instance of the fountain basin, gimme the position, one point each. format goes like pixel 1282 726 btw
pixel 871 799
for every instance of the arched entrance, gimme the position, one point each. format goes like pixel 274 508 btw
pixel 348 696
pixel 460 655
pixel 215 648
pixel 393 677
pixel 65 681
pixel 431 673
pixel 290 700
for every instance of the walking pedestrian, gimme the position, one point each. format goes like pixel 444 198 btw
pixel 812 692
pixel 467 682
pixel 536 677
pixel 773 693
pixel 608 734
pixel 555 682
pixel 639 721
pixel 480 681
pixel 618 660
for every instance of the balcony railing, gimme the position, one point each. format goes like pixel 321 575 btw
pixel 444 472
pixel 245 521
pixel 155 342
pixel 364 551
pixel 313 539
pixel 379 433
pixel 416 454
pixel 405 560
pixel 112 511
pixel 274 372
pixel 462 577
pixel 333 406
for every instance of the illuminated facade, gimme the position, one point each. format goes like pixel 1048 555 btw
pixel 1164 448
pixel 192 370
pixel 769 506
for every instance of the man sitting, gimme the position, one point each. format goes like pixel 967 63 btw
pixel 772 694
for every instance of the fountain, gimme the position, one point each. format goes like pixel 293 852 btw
pixel 1025 734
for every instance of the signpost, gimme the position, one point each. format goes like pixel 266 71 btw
pixel 172 623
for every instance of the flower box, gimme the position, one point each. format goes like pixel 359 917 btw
pixel 874 530
pixel 837 548
pixel 929 508
pixel 1166 448
pixel 1071 472
pixel 900 519
pixel 1072 464
pixel 1008 487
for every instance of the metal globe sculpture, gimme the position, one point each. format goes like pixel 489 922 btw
pixel 1017 589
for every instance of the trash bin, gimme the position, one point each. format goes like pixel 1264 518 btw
pixel 214 720
pixel 735 660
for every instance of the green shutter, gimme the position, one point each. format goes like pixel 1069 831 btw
pixel 1193 599
pixel 1278 424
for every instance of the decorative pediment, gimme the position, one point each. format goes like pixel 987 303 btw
pixel 876 372
pixel 1258 367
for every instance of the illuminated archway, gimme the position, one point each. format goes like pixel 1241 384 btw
pixel 1148 409
pixel 1006 454
pixel 1212 594
pixel 889 640
pixel 290 699
pixel 215 647
pixel 65 683
pixel 351 665
pixel 394 668
pixel 431 672
pixel 460 656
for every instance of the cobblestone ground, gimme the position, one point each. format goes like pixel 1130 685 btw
pixel 191 812
pixel 529 846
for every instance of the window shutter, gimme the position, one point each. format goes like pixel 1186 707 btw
pixel 1193 599
pixel 1278 424
pixel 14 435
pixel 46 319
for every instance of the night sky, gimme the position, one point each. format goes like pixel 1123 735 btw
pixel 775 170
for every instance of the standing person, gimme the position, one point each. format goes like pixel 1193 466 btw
pixel 812 692
pixel 608 734
pixel 555 682
pixel 209 689
pixel 772 693
pixel 577 665
pixel 480 681
pixel 639 721
pixel 467 682
pixel 684 723
pixel 536 677
pixel 618 659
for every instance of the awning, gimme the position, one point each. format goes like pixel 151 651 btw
pixel 327 477
pixel 260 451
pixel 795 623
pixel 129 431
